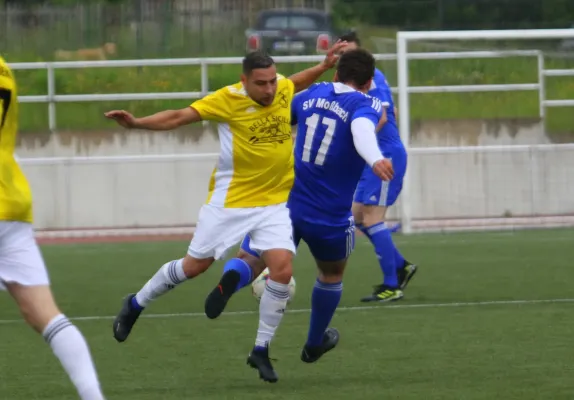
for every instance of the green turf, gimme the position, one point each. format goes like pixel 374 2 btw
pixel 88 115
pixel 418 350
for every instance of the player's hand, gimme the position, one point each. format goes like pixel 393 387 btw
pixel 122 117
pixel 333 54
pixel 384 169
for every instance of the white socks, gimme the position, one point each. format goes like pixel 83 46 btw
pixel 271 310
pixel 71 348
pixel 168 277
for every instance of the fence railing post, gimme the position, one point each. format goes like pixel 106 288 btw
pixel 533 155
pixel 204 84
pixel 542 87
pixel 51 94
pixel 404 127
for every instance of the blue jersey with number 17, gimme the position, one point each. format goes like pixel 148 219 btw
pixel 327 166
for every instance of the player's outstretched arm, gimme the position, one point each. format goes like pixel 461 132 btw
pixel 302 80
pixel 161 121
pixel 365 141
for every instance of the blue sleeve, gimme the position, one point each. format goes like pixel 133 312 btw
pixel 386 97
pixel 383 91
pixel 370 108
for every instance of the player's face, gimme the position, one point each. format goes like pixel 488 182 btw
pixel 261 85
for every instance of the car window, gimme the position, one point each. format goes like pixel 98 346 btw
pixel 299 22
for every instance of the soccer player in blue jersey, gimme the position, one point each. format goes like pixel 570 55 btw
pixel 374 196
pixel 336 125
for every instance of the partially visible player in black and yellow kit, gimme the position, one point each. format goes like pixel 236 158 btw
pixel 22 269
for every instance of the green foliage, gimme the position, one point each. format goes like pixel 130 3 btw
pixel 460 14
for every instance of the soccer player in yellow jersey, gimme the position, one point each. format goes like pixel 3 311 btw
pixel 22 269
pixel 248 190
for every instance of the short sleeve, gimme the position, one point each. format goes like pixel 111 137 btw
pixel 370 108
pixel 6 80
pixel 214 107
pixel 383 91
pixel 286 85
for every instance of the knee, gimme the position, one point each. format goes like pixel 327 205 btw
pixel 373 215
pixel 357 211
pixel 255 263
pixel 371 220
pixel 37 315
pixel 280 266
pixel 193 267
pixel 331 272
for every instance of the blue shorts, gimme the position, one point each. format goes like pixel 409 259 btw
pixel 372 191
pixel 326 243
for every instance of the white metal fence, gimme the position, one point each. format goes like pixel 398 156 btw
pixel 466 184
pixel 52 98
pixel 404 89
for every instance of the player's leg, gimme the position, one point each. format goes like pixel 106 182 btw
pixel 23 274
pixel 38 308
pixel 374 227
pixel 273 238
pixel 167 278
pixel 238 272
pixel 331 247
pixel 370 210
pixel 405 269
pixel 209 242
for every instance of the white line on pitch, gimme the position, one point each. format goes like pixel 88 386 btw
pixel 343 309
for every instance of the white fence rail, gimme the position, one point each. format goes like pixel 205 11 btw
pixel 52 98
pixel 444 187
pixel 404 89
pixel 456 188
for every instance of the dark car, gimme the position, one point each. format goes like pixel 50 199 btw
pixel 291 31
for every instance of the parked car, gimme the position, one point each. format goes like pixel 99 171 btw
pixel 291 31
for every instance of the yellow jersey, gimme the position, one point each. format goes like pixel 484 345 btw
pixel 15 194
pixel 256 165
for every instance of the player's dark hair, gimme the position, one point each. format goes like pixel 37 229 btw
pixel 256 60
pixel 356 67
pixel 351 37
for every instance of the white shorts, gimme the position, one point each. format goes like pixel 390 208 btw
pixel 218 229
pixel 20 258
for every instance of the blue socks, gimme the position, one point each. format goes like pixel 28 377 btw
pixel 242 268
pixel 135 305
pixel 324 302
pixel 380 237
pixel 399 259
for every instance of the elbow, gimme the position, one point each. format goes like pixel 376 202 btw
pixel 175 119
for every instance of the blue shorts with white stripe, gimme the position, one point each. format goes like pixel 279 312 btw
pixel 372 191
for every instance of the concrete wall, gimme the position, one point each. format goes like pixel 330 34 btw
pixel 446 184
pixel 200 140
